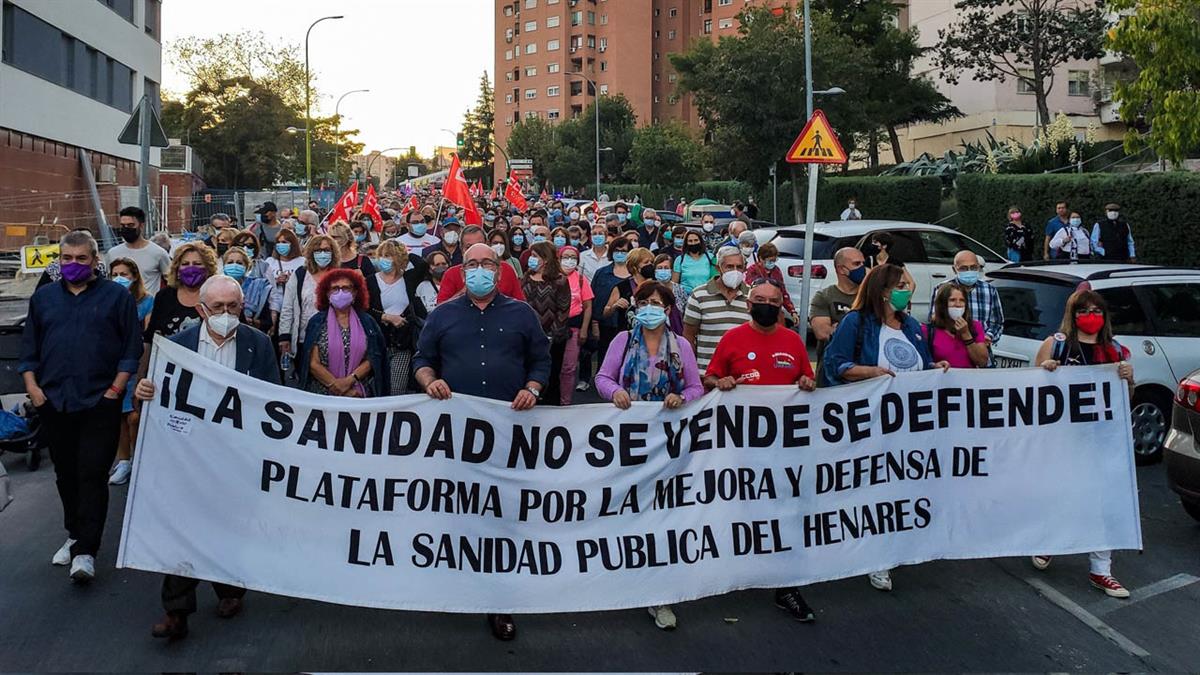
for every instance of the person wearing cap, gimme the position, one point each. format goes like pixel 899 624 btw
pixel 266 225
pixel 1112 238
pixel 451 232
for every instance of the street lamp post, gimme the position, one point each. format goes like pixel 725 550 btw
pixel 595 89
pixel 337 134
pixel 308 109
pixel 375 156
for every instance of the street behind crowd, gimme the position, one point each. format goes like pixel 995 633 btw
pixel 998 615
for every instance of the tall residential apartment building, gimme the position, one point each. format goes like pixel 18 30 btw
pixel 71 72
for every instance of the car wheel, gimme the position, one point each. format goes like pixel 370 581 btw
pixel 1151 418
pixel 1192 508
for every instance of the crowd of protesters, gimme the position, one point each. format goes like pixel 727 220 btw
pixel 529 306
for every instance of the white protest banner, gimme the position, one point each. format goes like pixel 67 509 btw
pixel 467 506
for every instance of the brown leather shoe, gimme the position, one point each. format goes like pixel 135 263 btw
pixel 503 627
pixel 228 608
pixel 173 627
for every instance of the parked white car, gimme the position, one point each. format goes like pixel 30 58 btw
pixel 927 251
pixel 1155 314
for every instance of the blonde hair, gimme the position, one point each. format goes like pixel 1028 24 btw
pixel 397 252
pixel 309 248
pixel 238 250
pixel 637 258
pixel 207 256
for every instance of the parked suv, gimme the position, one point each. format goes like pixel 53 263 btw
pixel 1183 452
pixel 1155 313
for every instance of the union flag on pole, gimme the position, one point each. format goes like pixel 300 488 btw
pixel 341 211
pixel 411 205
pixel 371 208
pixel 457 192
pixel 513 194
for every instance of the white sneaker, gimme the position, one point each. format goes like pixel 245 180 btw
pixel 664 618
pixel 83 568
pixel 63 555
pixel 120 475
pixel 881 580
pixel 582 386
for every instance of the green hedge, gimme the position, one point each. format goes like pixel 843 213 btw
pixel 1162 208
pixel 912 198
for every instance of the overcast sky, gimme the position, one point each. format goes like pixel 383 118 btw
pixel 421 59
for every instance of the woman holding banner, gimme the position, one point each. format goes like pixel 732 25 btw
pixel 343 353
pixel 876 338
pixel 1085 338
pixel 954 337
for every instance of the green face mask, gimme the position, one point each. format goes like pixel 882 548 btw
pixel 900 299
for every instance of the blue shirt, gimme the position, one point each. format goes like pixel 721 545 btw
pixel 855 342
pixel 1052 227
pixel 76 344
pixel 491 352
pixel 603 282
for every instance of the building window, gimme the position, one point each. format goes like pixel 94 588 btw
pixel 531 115
pixel 725 23
pixel 591 18
pixel 552 91
pixel 1078 83
pixel 656 77
pixel 724 3
pixel 673 12
pixel 552 46
pixel 604 90
pixel 508 98
pixel 655 35
pixel 603 66
pixel 576 18
pixel 530 26
pixel 655 56
pixel 151 89
pixel 530 71
pixel 153 18
pixel 552 68
pixel 707 26
pixel 551 2
pixel 508 10
pixel 672 77
pixel 122 7
pixel 672 99
pixel 552 114
pixel 591 41
pixel 553 21
pixel 530 4
pixel 670 35
pixel 656 99
pixel 508 55
pixel 530 94
pixel 576 87
pixel 604 19
pixel 603 44
pixel 531 48
pixel 1025 86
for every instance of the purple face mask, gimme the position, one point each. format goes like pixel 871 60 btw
pixel 192 276
pixel 341 299
pixel 76 272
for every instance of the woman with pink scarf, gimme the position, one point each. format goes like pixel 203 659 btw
pixel 344 350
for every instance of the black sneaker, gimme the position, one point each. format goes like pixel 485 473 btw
pixel 790 601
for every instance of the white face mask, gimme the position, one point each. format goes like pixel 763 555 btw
pixel 1112 215
pixel 499 249
pixel 732 278
pixel 956 313
pixel 223 324
pixel 569 264
pixel 708 227
pixel 451 237
pixel 747 251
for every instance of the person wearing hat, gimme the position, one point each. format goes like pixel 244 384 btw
pixel 451 232
pixel 266 226
pixel 1112 238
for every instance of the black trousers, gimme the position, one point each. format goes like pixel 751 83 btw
pixel 553 393
pixel 179 593
pixel 82 447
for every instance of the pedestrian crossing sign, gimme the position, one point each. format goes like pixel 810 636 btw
pixel 817 144
pixel 36 258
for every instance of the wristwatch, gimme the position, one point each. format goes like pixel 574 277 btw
pixel 535 391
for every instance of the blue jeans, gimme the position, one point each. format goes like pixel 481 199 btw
pixel 1014 255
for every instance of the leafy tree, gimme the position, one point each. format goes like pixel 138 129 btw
pixel 1162 39
pixel 998 39
pixel 665 154
pixel 574 162
pixel 534 139
pixel 749 89
pixel 209 61
pixel 477 127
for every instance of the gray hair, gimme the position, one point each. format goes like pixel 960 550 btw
pixel 80 238
pixel 728 252
pixel 491 252
pixel 163 240
pixel 612 218
pixel 219 280
pixel 747 237
pixel 309 217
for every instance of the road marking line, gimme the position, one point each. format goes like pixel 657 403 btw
pixel 1087 618
pixel 1110 605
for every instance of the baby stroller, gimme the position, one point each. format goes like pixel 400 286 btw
pixel 13 397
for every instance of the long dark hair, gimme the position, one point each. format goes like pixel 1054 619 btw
pixel 1080 300
pixel 870 300
pixel 941 307
pixel 550 269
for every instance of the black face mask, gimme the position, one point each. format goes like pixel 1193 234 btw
pixel 647 271
pixel 130 234
pixel 694 248
pixel 764 314
pixel 222 249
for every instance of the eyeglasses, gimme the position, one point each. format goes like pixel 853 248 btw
pixel 341 287
pixel 485 264
pixel 223 308
pixel 651 303
pixel 971 268
pixel 1092 310
pixel 767 282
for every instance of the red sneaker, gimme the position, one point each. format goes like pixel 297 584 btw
pixel 1111 587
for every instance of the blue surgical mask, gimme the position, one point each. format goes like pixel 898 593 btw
pixel 323 258
pixel 518 240
pixel 539 238
pixel 620 256
pixel 235 270
pixel 678 243
pixel 651 316
pixel 598 239
pixel 124 281
pixel 968 278
pixel 533 262
pixel 1076 222
pixel 622 217
pixel 560 242
pixel 360 238
pixel 662 275
pixel 418 229
pixel 384 264
pixel 575 243
pixel 770 264
pixel 481 282
pixel 301 228
pixel 250 251
pixel 283 248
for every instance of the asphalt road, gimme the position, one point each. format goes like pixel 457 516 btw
pixel 996 615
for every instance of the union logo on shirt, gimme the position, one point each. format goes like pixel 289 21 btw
pixel 783 360
pixel 751 375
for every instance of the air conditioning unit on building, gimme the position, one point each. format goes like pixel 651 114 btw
pixel 106 173
pixel 603 49
pixel 574 49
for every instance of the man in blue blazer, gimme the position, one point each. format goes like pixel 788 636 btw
pixel 224 339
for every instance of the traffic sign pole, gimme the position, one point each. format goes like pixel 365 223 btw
pixel 144 173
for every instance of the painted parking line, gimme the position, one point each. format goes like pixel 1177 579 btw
pixel 1110 605
pixel 1087 618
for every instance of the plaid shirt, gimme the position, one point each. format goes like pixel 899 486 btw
pixel 984 303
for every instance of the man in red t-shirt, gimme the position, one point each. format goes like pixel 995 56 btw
pixel 760 351
pixel 453 283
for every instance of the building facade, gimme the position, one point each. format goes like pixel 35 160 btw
pixel 71 72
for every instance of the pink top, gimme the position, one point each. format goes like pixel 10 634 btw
pixel 581 292
pixel 945 346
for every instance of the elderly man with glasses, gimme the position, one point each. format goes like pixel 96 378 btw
pixel 485 344
pixel 982 297
pixel 222 338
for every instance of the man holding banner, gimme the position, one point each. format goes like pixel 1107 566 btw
pixel 503 336
pixel 223 339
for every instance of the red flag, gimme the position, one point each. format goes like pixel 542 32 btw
pixel 457 192
pixel 596 208
pixel 513 195
pixel 371 208
pixel 492 195
pixel 345 205
pixel 545 195
pixel 411 205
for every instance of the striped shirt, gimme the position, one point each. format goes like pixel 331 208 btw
pixel 708 309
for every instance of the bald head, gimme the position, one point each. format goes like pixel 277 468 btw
pixel 736 228
pixel 967 260
pixel 220 289
pixel 480 252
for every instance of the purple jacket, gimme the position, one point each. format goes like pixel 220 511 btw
pixel 608 379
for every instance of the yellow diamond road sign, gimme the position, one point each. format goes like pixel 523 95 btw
pixel 817 144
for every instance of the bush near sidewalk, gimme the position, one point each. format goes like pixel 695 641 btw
pixel 1162 208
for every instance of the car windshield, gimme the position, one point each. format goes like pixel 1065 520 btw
pixel 1032 309
pixel 791 244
